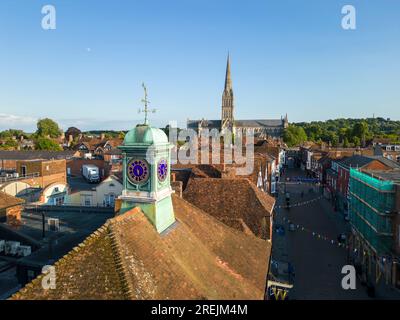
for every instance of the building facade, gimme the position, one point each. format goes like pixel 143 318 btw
pixel 374 207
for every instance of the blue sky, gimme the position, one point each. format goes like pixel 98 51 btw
pixel 288 56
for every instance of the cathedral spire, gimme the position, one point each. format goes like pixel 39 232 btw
pixel 227 99
pixel 228 80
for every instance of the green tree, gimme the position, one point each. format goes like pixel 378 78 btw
pixel 47 144
pixel 346 142
pixel 294 135
pixel 356 141
pixel 9 144
pixel 314 132
pixel 360 130
pixel 47 127
pixel 12 133
pixel 121 135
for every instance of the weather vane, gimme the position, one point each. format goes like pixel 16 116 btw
pixel 146 103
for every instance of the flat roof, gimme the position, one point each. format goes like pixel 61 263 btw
pixel 74 228
pixel 391 175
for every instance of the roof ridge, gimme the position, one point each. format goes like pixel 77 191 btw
pixel 116 247
pixel 260 194
pixel 119 263
pixel 217 221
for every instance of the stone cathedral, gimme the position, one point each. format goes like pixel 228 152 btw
pixel 263 128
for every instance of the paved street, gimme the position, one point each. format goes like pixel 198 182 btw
pixel 317 262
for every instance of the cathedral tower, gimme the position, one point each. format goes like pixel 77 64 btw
pixel 227 119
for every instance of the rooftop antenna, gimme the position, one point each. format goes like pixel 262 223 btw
pixel 146 103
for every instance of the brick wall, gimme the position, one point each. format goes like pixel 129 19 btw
pixel 342 181
pixel 50 171
pixel 8 164
pixel 25 167
pixel 376 165
pixel 43 167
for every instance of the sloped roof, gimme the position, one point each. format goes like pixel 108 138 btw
pixel 358 161
pixel 232 199
pixel 260 123
pixel 390 163
pixel 93 143
pixel 197 258
pixel 36 154
pixel 7 201
pixel 193 124
pixel 238 123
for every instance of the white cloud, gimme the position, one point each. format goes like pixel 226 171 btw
pixel 10 121
pixel 28 124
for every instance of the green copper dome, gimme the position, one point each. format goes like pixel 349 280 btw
pixel 144 134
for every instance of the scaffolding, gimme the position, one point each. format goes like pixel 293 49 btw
pixel 371 205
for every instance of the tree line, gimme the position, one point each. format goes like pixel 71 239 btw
pixel 44 137
pixel 343 132
pixel 47 134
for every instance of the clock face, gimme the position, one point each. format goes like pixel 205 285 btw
pixel 138 171
pixel 162 170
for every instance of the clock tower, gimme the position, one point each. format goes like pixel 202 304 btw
pixel 146 175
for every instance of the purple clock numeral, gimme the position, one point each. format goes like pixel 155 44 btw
pixel 138 171
pixel 162 170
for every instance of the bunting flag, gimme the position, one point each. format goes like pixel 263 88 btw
pixel 298 204
pixel 315 234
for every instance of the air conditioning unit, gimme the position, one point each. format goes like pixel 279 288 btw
pixel 2 245
pixel 24 251
pixel 54 224
pixel 11 247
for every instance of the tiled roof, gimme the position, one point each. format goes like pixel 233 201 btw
pixel 193 124
pixel 199 170
pixel 93 143
pixel 260 123
pixel 390 163
pixel 238 123
pixel 358 161
pixel 232 199
pixel 7 201
pixel 197 258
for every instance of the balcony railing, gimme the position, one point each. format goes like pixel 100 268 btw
pixel 27 176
